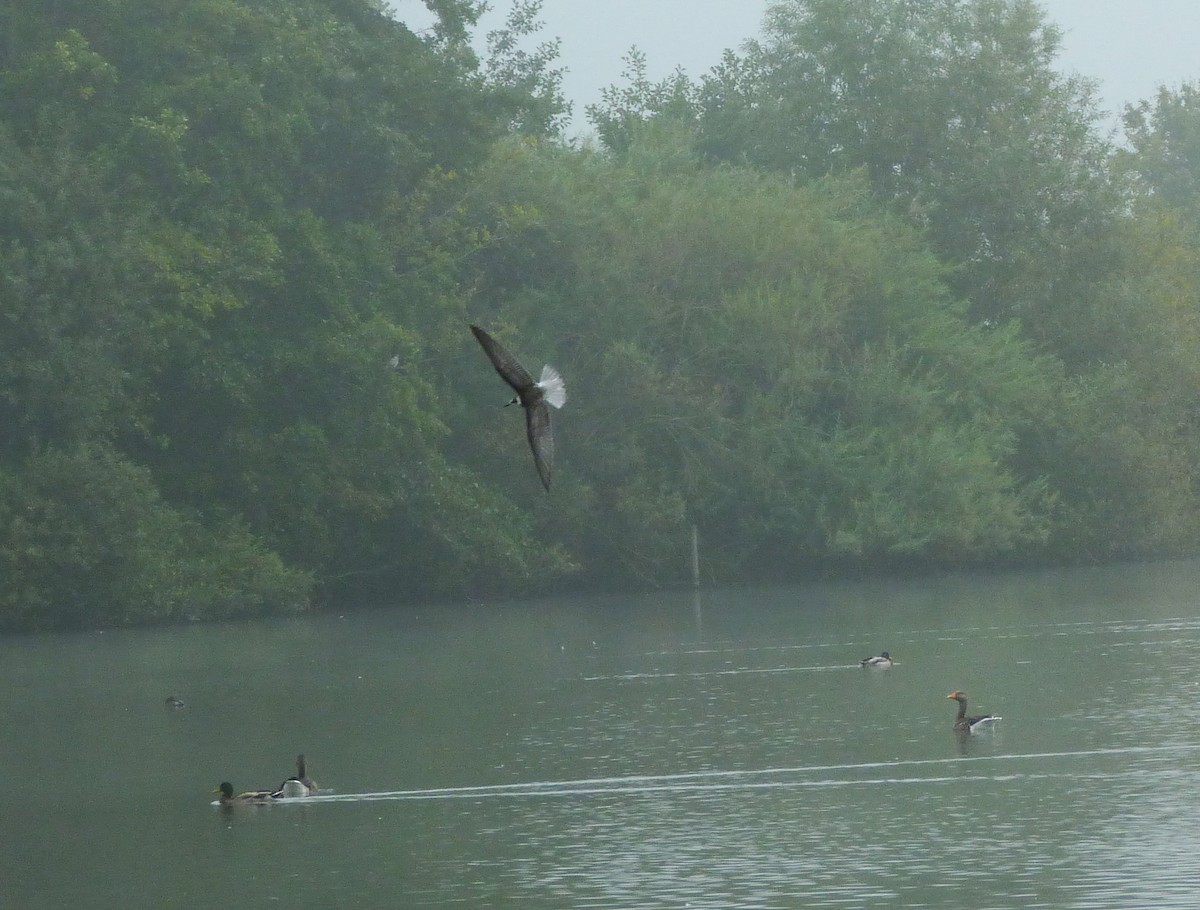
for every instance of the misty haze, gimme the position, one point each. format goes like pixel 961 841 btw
pixel 860 567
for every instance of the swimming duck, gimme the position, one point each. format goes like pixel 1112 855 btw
pixel 174 702
pixel 883 660
pixel 964 724
pixel 249 798
pixel 532 396
pixel 299 784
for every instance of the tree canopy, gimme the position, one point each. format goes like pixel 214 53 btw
pixel 874 294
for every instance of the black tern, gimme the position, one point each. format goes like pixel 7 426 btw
pixel 532 396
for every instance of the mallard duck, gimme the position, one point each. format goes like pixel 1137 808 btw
pixel 964 724
pixel 532 396
pixel 249 798
pixel 299 784
pixel 883 660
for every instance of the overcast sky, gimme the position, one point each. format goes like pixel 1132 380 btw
pixel 1130 46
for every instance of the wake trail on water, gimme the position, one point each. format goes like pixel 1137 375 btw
pixel 784 778
pixel 732 671
pixel 1132 626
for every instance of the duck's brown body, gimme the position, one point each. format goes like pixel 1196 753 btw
pixel 248 798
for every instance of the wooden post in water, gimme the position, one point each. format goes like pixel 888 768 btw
pixel 695 557
pixel 697 610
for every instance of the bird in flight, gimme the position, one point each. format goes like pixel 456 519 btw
pixel 532 396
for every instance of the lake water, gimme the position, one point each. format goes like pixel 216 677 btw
pixel 658 751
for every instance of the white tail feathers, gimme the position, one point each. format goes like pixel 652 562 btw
pixel 553 388
pixel 986 721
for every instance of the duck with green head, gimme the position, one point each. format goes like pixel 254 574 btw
pixel 248 798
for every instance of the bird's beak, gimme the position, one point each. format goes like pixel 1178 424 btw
pixel 951 695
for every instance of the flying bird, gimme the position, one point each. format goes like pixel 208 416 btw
pixel 532 396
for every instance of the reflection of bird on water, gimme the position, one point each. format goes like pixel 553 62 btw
pixel 532 396
pixel 883 660
pixel 964 724
pixel 299 784
pixel 249 798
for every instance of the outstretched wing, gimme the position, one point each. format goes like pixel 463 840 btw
pixel 541 440
pixel 506 365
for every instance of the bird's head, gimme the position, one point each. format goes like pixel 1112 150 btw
pixel 226 790
pixel 957 696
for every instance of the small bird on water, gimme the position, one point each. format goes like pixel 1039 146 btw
pixel 532 396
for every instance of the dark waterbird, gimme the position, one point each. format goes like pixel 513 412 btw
pixel 964 724
pixel 299 784
pixel 532 396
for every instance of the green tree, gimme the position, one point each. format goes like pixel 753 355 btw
pixel 624 110
pixel 953 108
pixel 527 83
pixel 962 126
pixel 782 366
pixel 88 541
pixel 1164 148
pixel 223 220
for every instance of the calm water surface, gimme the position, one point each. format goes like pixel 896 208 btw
pixel 649 752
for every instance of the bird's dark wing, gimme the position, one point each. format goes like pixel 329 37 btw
pixel 541 440
pixel 506 365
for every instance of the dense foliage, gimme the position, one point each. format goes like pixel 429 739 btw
pixel 876 293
